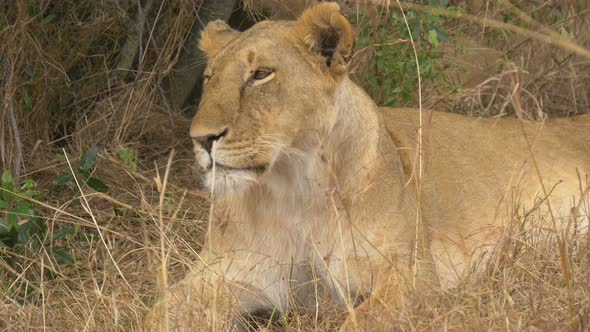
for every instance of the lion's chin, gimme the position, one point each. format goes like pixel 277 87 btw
pixel 228 182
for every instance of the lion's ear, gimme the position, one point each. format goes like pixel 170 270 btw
pixel 325 32
pixel 215 36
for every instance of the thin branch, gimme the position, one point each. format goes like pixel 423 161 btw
pixel 17 142
pixel 553 39
pixel 134 44
pixel 8 97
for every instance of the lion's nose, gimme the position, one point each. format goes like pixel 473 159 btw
pixel 207 141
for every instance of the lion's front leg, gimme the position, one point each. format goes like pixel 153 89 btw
pixel 234 293
pixel 395 292
pixel 198 302
pixel 377 314
pixel 193 304
pixel 381 309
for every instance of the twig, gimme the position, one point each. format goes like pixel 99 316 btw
pixel 418 150
pixel 164 271
pixel 133 45
pixel 17 142
pixel 142 14
pixel 8 97
pixel 553 39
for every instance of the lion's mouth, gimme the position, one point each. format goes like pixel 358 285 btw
pixel 255 169
pixel 206 163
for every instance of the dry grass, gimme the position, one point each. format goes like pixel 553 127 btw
pixel 63 87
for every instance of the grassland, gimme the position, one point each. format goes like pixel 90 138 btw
pixel 75 106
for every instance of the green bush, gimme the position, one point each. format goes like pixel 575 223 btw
pixel 21 227
pixel 83 172
pixel 392 77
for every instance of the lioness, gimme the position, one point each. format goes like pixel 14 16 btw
pixel 321 197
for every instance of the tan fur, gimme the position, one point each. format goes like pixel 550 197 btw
pixel 215 36
pixel 280 9
pixel 316 191
pixel 318 22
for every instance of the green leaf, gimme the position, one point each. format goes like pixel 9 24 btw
pixel 456 10
pixel 11 220
pixel 62 257
pixel 36 228
pixel 433 38
pixel 7 180
pixel 128 156
pixel 119 212
pixel 27 99
pixel 416 31
pixel 62 233
pixel 21 212
pixel 565 33
pixel 97 184
pixel 442 35
pixel 76 230
pixel 27 184
pixel 88 161
pixel 63 179
pixel 8 235
pixel 363 41
pixel 48 19
pixel 60 157
pixel 379 63
pixel 30 72
pixel 23 236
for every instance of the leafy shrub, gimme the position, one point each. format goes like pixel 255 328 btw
pixel 18 223
pixel 392 77
pixel 21 227
pixel 83 172
pixel 128 156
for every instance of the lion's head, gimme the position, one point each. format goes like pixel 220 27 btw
pixel 268 91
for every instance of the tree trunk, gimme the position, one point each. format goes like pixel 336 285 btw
pixel 184 87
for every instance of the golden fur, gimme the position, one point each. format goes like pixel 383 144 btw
pixel 317 192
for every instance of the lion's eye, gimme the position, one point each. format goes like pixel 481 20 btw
pixel 207 77
pixel 261 73
pixel 261 76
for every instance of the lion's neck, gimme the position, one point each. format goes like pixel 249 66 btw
pixel 354 142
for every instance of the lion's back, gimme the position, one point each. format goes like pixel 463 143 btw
pixel 476 171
